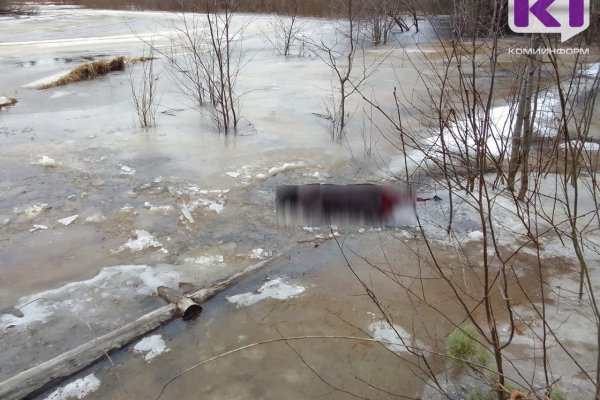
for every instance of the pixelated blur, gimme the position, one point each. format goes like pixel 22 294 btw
pixel 344 205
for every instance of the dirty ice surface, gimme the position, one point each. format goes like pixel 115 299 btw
pixel 77 389
pixel 276 288
pixel 96 213
pixel 395 337
pixel 151 347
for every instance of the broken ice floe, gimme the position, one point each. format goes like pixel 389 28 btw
pixel 274 289
pixel 96 217
pixel 284 168
pixel 143 240
pixel 216 207
pixel 259 253
pixel 395 337
pixel 31 211
pixel 162 209
pixel 77 389
pixel 187 213
pixel 45 161
pixel 193 198
pixel 248 173
pixel 68 220
pixel 127 171
pixel 151 347
pixel 111 284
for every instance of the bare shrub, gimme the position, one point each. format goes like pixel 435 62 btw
pixel 205 58
pixel 285 31
pixel 144 92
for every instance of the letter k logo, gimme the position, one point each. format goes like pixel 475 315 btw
pixel 567 17
pixel 539 9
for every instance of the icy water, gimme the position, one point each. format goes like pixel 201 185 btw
pixel 95 213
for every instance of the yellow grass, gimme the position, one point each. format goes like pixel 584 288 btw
pixel 91 70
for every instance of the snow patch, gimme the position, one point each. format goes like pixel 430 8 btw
pixel 260 253
pixel 284 168
pixel 32 211
pixel 143 240
pixel 395 337
pixel 45 161
pixel 475 236
pixel 45 81
pixel 127 171
pixel 274 289
pixel 151 347
pixel 216 207
pixel 96 217
pixel 77 389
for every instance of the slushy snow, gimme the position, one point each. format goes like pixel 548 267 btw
pixel 77 389
pixel 151 347
pixel 274 289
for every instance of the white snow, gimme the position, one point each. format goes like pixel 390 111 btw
pixel 5 101
pixel 394 335
pixel 37 227
pixel 475 235
pixel 32 211
pixel 46 161
pixel 45 81
pixel 586 146
pixel 96 217
pixel 216 207
pixel 161 209
pixel 233 174
pixel 68 220
pixel 274 289
pixel 259 253
pixel 593 69
pixel 77 389
pixel 151 347
pixel 284 168
pixel 125 170
pixel 143 240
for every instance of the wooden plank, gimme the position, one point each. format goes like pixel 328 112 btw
pixel 46 375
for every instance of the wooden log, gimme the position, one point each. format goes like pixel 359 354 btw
pixel 44 376
pixel 51 373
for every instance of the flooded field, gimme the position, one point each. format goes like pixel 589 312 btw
pixel 96 213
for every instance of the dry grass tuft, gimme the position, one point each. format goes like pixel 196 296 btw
pixel 88 71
